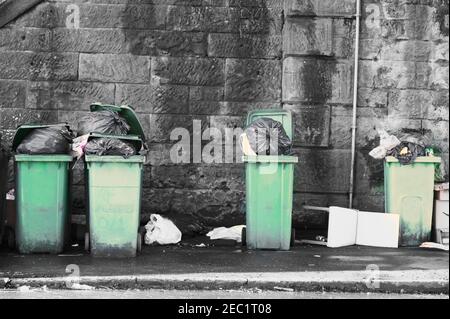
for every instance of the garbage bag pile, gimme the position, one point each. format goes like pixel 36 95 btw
pixel 265 136
pixel 104 122
pixel 406 150
pixel 47 141
pixel 108 146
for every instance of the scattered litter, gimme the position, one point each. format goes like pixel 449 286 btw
pixel 284 289
pixel 201 245
pixel 232 233
pixel 79 145
pixel 268 137
pixel 24 289
pixel 77 286
pixel 317 256
pixel 11 194
pixel 75 245
pixel 434 246
pixel 245 146
pixel 162 231
pixel 321 238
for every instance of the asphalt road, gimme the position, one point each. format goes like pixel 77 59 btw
pixel 24 293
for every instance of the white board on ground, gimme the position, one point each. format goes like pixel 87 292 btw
pixel 342 226
pixel 378 230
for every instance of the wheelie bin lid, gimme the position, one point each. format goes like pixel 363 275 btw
pixel 421 159
pixel 270 159
pixel 134 139
pixel 280 115
pixel 127 113
pixel 23 130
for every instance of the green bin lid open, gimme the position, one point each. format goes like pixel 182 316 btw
pixel 134 139
pixel 23 130
pixel 282 116
pixel 127 113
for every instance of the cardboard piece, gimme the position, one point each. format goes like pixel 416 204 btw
pixel 378 230
pixel 342 227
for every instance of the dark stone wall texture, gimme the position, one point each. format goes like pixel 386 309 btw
pixel 176 61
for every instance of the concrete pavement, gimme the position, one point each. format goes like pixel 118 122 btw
pixel 304 268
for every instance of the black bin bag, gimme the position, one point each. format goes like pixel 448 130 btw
pixel 268 137
pixel 104 122
pixel 46 141
pixel 110 146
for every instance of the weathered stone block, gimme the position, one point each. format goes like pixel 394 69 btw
pixel 406 51
pixel 189 71
pixel 253 80
pixel 387 74
pixel 38 66
pixel 375 98
pixel 409 103
pixel 344 38
pixel 319 7
pixel 161 126
pixel 225 19
pixel 244 46
pixel 162 43
pixel 12 118
pixel 114 68
pixel 206 93
pixel 154 98
pixel 229 108
pixel 13 94
pixel 312 125
pixel 68 95
pixel 317 81
pixel 322 171
pixel 308 37
pixel 437 133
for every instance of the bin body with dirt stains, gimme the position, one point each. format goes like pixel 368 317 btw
pixel 269 192
pixel 42 199
pixel 114 196
pixel 409 192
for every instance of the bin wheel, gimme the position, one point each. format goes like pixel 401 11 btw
pixel 244 237
pixel 87 243
pixel 11 239
pixel 292 236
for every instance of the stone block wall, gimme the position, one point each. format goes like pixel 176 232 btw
pixel 176 61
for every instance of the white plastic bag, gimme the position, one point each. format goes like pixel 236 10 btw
pixel 162 231
pixel 233 233
pixel 387 143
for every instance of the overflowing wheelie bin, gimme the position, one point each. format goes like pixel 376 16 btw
pixel 114 187
pixel 269 192
pixel 42 195
pixel 409 191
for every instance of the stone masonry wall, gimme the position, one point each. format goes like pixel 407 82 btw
pixel 176 61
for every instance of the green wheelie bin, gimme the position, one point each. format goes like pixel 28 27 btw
pixel 409 192
pixel 114 187
pixel 42 197
pixel 3 187
pixel 269 192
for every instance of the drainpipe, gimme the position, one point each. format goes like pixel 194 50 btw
pixel 355 103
